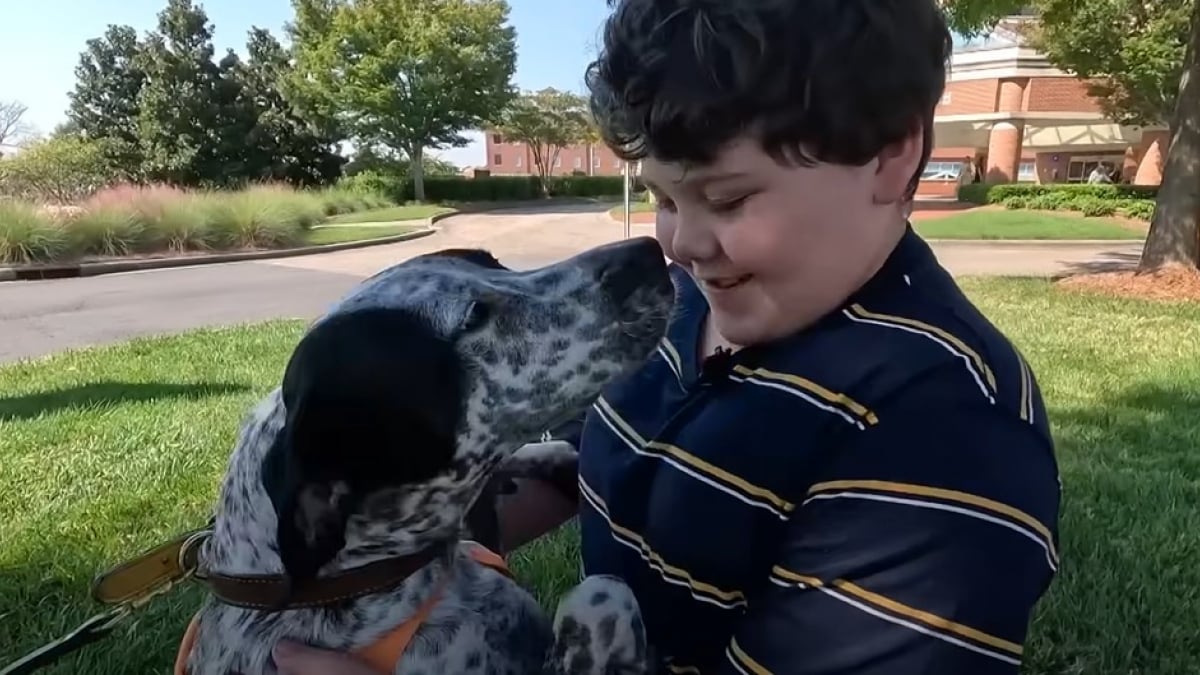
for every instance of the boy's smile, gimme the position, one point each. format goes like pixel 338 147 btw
pixel 774 247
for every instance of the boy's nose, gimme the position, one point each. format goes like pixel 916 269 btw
pixel 692 238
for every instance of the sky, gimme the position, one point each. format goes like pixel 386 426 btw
pixel 40 43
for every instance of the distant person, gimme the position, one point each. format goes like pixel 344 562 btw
pixel 1099 175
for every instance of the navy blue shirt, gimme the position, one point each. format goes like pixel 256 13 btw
pixel 875 495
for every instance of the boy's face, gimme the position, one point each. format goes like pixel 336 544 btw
pixel 775 247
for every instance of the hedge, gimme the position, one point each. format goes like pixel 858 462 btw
pixel 485 188
pixel 127 219
pixel 996 193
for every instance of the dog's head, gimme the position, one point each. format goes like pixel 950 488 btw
pixel 405 396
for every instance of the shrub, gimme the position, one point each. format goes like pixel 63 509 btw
pixel 62 170
pixel 996 193
pixel 106 231
pixel 27 235
pixel 1142 209
pixel 246 220
pixel 1016 202
pixel 386 186
pixel 1094 206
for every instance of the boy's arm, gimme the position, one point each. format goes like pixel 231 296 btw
pixel 923 550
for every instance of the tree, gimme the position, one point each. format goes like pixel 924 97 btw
pixel 279 141
pixel 389 162
pixel 184 114
pixel 1143 61
pixel 405 74
pixel 546 121
pixel 12 124
pixel 104 103
pixel 60 170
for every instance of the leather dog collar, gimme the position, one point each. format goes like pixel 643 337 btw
pixel 274 592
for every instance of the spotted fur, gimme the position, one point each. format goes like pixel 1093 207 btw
pixel 394 411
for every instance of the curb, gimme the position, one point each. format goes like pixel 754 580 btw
pixel 90 269
pixel 1037 243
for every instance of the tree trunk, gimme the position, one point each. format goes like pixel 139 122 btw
pixel 418 172
pixel 1174 235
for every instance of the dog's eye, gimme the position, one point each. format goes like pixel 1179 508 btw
pixel 477 316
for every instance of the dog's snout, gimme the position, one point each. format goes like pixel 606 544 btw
pixel 629 265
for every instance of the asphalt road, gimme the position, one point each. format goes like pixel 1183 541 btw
pixel 42 317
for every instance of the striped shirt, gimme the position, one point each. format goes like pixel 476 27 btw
pixel 875 495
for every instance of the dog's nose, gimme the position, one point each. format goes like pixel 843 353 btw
pixel 629 265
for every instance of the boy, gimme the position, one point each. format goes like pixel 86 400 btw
pixel 835 464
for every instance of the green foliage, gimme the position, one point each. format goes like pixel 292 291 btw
pixel 104 103
pixel 546 121
pixel 28 235
pixel 388 161
pixel 1142 209
pixel 1133 201
pixel 60 170
pixel 173 114
pixel 405 74
pixel 995 193
pixel 129 219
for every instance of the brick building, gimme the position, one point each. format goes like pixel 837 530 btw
pixel 1005 109
pixel 506 158
pixel 1017 118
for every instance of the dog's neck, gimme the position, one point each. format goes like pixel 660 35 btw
pixel 244 537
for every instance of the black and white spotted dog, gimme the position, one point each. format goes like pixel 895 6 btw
pixel 394 410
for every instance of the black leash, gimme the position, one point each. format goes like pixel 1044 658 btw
pixel 92 630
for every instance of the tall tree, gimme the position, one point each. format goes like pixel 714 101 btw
pixel 279 140
pixel 183 109
pixel 406 74
pixel 104 103
pixel 546 121
pixel 1143 60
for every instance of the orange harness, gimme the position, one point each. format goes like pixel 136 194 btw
pixel 384 653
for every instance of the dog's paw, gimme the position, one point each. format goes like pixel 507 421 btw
pixel 547 460
pixel 598 630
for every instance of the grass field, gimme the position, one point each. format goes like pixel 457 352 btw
pixel 111 450
pixel 1005 224
pixel 985 224
pixel 391 214
pixel 344 233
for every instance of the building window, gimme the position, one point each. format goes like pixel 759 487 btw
pixel 1027 172
pixel 596 161
pixel 497 138
pixel 520 161
pixel 497 159
pixel 616 163
pixel 578 162
pixel 557 162
pixel 942 171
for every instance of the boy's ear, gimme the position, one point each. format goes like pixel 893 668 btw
pixel 896 174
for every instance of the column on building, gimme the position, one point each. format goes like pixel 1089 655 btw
pixel 1006 137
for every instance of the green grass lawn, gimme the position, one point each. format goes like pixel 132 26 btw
pixel 618 211
pixel 109 451
pixel 1006 224
pixel 391 214
pixel 343 233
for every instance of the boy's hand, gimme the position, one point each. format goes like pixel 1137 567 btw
pixel 297 659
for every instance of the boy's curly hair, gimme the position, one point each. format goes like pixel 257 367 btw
pixel 813 80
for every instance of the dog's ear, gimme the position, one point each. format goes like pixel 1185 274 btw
pixel 372 400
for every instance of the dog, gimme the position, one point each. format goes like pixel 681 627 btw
pixel 395 410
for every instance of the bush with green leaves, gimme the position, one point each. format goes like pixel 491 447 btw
pixel 1141 209
pixel 28 235
pixel 59 170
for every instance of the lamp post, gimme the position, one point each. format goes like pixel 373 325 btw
pixel 625 180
